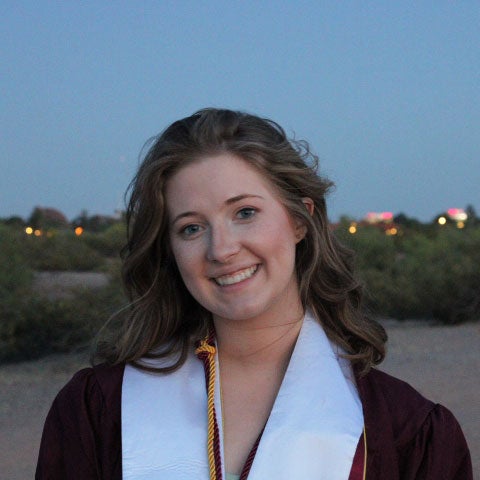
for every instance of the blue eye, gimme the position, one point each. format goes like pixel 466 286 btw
pixel 190 230
pixel 246 213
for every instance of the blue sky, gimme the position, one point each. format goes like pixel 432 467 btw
pixel 387 94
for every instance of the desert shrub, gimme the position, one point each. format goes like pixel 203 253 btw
pixel 443 271
pixel 33 326
pixel 373 248
pixel 60 251
pixel 109 242
pixel 375 256
pixel 15 274
pixel 420 275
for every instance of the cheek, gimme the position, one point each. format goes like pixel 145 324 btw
pixel 278 248
pixel 187 260
pixel 281 236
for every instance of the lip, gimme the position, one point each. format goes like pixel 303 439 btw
pixel 231 271
pixel 241 274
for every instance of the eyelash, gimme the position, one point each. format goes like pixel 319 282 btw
pixel 184 231
pixel 252 210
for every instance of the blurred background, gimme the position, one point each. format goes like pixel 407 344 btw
pixel 386 93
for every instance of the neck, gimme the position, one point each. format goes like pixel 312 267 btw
pixel 254 342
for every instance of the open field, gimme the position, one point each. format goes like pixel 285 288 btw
pixel 442 362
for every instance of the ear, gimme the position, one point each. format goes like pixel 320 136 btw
pixel 300 227
pixel 309 205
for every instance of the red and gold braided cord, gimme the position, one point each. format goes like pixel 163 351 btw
pixel 206 352
pixel 250 458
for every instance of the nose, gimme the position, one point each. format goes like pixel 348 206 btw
pixel 223 244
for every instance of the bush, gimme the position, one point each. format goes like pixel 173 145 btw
pixel 15 274
pixel 417 275
pixel 32 326
pixel 60 251
pixel 444 272
pixel 109 242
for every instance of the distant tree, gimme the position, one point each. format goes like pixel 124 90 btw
pixel 472 215
pixel 45 217
pixel 408 222
pixel 100 223
pixel 346 219
pixel 81 220
pixel 14 221
pixel 94 223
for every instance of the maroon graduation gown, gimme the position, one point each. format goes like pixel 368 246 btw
pixel 408 437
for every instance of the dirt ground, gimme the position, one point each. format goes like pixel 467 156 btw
pixel 441 362
pixel 56 285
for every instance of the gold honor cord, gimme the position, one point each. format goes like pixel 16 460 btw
pixel 207 350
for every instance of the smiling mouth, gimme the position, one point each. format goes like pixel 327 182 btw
pixel 237 277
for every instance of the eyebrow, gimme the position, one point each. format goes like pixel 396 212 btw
pixel 241 197
pixel 229 201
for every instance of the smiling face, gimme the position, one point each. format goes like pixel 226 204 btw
pixel 233 240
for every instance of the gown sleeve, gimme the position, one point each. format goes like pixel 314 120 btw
pixel 438 450
pixel 81 436
pixel 408 436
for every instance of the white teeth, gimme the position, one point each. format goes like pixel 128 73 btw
pixel 237 277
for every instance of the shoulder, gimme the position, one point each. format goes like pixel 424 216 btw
pixel 81 435
pixel 400 401
pixel 93 388
pixel 384 396
pixel 412 429
pixel 104 378
pixel 395 395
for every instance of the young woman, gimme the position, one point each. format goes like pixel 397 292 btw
pixel 245 351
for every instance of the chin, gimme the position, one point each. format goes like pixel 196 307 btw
pixel 241 313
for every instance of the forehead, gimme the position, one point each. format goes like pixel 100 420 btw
pixel 212 180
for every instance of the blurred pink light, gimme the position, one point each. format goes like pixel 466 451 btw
pixel 454 211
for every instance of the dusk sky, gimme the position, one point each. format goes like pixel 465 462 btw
pixel 387 94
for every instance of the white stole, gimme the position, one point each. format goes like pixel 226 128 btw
pixel 312 432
